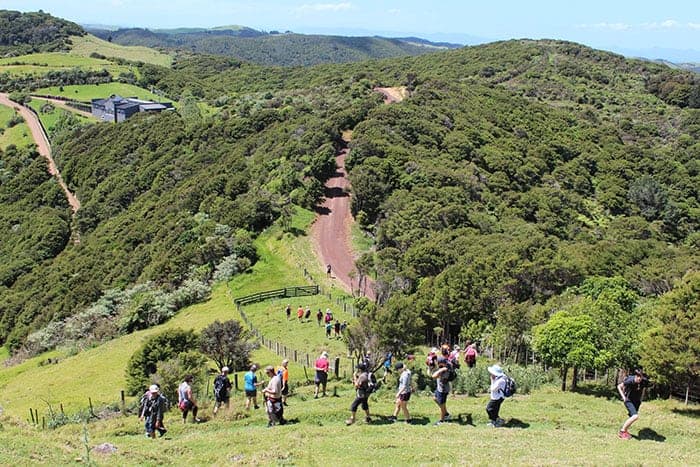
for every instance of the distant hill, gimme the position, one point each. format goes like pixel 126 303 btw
pixel 695 67
pixel 285 49
pixel 22 33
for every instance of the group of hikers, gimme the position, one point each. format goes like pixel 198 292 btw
pixel 331 325
pixel 441 363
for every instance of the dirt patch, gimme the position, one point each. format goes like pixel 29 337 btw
pixel 392 95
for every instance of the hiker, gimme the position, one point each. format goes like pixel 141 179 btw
pixel 387 365
pixel 251 387
pixel 222 389
pixel 328 270
pixel 186 400
pixel 404 392
pixel 300 314
pixel 307 313
pixel 470 354
pixel 321 365
pixel 454 355
pixel 329 316
pixel 288 311
pixel 361 382
pixel 431 360
pixel 319 317
pixel 497 396
pixel 153 406
pixel 343 327
pixel 283 371
pixel 273 398
pixel 442 389
pixel 329 328
pixel 336 329
pixel 631 390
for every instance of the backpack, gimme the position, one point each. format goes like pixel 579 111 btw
pixel 451 371
pixel 510 387
pixel 219 385
pixel 470 355
pixel 372 384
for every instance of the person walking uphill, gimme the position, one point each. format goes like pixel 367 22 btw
pixel 273 398
pixel 153 407
pixel 442 390
pixel 322 366
pixel 222 389
pixel 404 392
pixel 186 400
pixel 361 383
pixel 283 371
pixel 631 390
pixel 251 387
pixel 498 384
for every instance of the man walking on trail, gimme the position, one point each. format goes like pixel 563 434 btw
pixel 284 374
pixel 631 390
pixel 273 398
pixel 153 407
pixel 442 390
pixel 251 387
pixel 222 389
pixel 288 311
pixel 404 392
pixel 319 317
pixel 300 313
pixel 361 382
pixel 321 365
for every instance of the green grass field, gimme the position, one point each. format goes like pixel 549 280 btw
pixel 43 63
pixel 545 427
pixel 88 92
pixel 50 119
pixel 19 135
pixel 85 45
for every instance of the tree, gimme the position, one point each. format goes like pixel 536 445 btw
pixel 568 341
pixel 671 348
pixel 159 348
pixel 228 344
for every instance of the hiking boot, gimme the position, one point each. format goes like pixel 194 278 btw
pixel 448 417
pixel 624 435
pixel 492 424
pixel 257 407
pixel 197 420
pixel 500 422
pixel 349 421
pixel 439 422
pixel 368 420
pixel 162 432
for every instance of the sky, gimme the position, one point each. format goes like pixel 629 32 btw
pixel 667 27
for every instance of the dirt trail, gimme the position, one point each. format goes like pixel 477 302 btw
pixel 42 145
pixel 64 105
pixel 331 231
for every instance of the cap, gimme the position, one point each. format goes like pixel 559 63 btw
pixel 398 366
pixel 225 369
pixel 154 388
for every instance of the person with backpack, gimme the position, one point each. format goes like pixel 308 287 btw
pixel 631 390
pixel 186 400
pixel 222 389
pixel 470 355
pixel 319 317
pixel 442 390
pixel 497 389
pixel 152 409
pixel 283 371
pixel 404 392
pixel 322 365
pixel 361 381
pixel 251 387
pixel 273 398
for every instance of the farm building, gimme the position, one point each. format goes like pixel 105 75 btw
pixel 118 109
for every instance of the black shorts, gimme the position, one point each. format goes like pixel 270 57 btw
pixel 405 396
pixel 253 393
pixel 359 401
pixel 223 399
pixel 321 377
pixel 632 407
pixel 285 390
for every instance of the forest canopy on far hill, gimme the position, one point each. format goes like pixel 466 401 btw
pixel 518 179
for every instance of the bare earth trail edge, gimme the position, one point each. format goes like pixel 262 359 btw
pixel 331 229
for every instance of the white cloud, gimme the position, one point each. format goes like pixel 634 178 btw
pixel 654 25
pixel 611 26
pixel 325 7
pixel 694 25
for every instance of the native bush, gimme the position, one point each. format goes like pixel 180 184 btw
pixel 171 372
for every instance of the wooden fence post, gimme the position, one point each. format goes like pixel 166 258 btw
pixel 235 381
pixel 337 367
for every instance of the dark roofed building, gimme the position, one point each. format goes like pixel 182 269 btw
pixel 118 109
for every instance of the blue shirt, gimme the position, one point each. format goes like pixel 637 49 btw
pixel 250 380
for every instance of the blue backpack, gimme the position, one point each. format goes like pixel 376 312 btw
pixel 510 387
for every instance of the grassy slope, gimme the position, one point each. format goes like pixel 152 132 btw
pixel 544 428
pixel 85 45
pixel 94 91
pixel 18 135
pixel 49 120
pixel 42 63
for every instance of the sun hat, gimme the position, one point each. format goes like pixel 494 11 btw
pixel 399 365
pixel 495 370
pixel 154 388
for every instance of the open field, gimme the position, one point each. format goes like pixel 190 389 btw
pixel 43 63
pixel 50 119
pixel 88 92
pixel 18 135
pixel 545 427
pixel 88 44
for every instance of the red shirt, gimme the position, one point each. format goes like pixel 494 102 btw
pixel 322 364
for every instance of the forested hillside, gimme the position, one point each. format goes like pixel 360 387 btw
pixel 22 33
pixel 511 179
pixel 286 49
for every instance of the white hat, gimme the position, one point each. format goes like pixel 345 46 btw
pixel 154 388
pixel 324 354
pixel 225 369
pixel 495 370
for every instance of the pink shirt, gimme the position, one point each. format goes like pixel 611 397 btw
pixel 322 364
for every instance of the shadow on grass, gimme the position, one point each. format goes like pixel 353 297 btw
pixel 694 413
pixel 649 434
pixel 295 231
pixel 516 423
pixel 420 421
pixel 598 390
pixel 291 421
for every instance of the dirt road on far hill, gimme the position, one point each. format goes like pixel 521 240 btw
pixel 43 147
pixel 331 231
